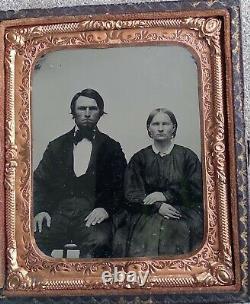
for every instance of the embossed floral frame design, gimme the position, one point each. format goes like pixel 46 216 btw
pixel 214 267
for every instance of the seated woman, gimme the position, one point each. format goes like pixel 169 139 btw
pixel 163 187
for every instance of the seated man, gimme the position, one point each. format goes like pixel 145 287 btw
pixel 78 185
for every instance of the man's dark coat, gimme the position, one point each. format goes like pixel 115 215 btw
pixel 55 180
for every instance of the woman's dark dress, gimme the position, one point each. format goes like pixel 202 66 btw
pixel 178 176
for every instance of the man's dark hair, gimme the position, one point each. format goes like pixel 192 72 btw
pixel 90 93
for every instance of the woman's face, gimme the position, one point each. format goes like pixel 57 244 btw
pixel 161 127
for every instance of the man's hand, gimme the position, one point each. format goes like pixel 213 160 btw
pixel 96 216
pixel 154 197
pixel 38 221
pixel 169 212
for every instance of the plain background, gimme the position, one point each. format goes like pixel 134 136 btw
pixel 132 81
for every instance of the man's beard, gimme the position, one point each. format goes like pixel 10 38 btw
pixel 88 127
pixel 88 131
pixel 85 132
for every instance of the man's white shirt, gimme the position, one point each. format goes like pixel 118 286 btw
pixel 81 154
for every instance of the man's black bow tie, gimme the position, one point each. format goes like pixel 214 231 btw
pixel 84 133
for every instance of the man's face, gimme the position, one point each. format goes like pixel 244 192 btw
pixel 87 112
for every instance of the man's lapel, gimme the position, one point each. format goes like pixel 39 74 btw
pixel 67 153
pixel 96 149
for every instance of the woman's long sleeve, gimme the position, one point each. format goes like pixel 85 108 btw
pixel 192 190
pixel 133 182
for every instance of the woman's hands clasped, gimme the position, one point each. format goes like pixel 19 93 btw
pixel 169 212
pixel 166 210
pixel 154 197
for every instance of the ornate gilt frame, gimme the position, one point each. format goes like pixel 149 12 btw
pixel 215 267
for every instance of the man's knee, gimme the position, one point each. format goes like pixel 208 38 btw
pixel 43 241
pixel 103 237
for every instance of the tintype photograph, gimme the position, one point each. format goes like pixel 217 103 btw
pixel 122 154
pixel 121 175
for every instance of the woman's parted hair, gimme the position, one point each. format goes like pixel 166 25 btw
pixel 166 111
pixel 90 93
